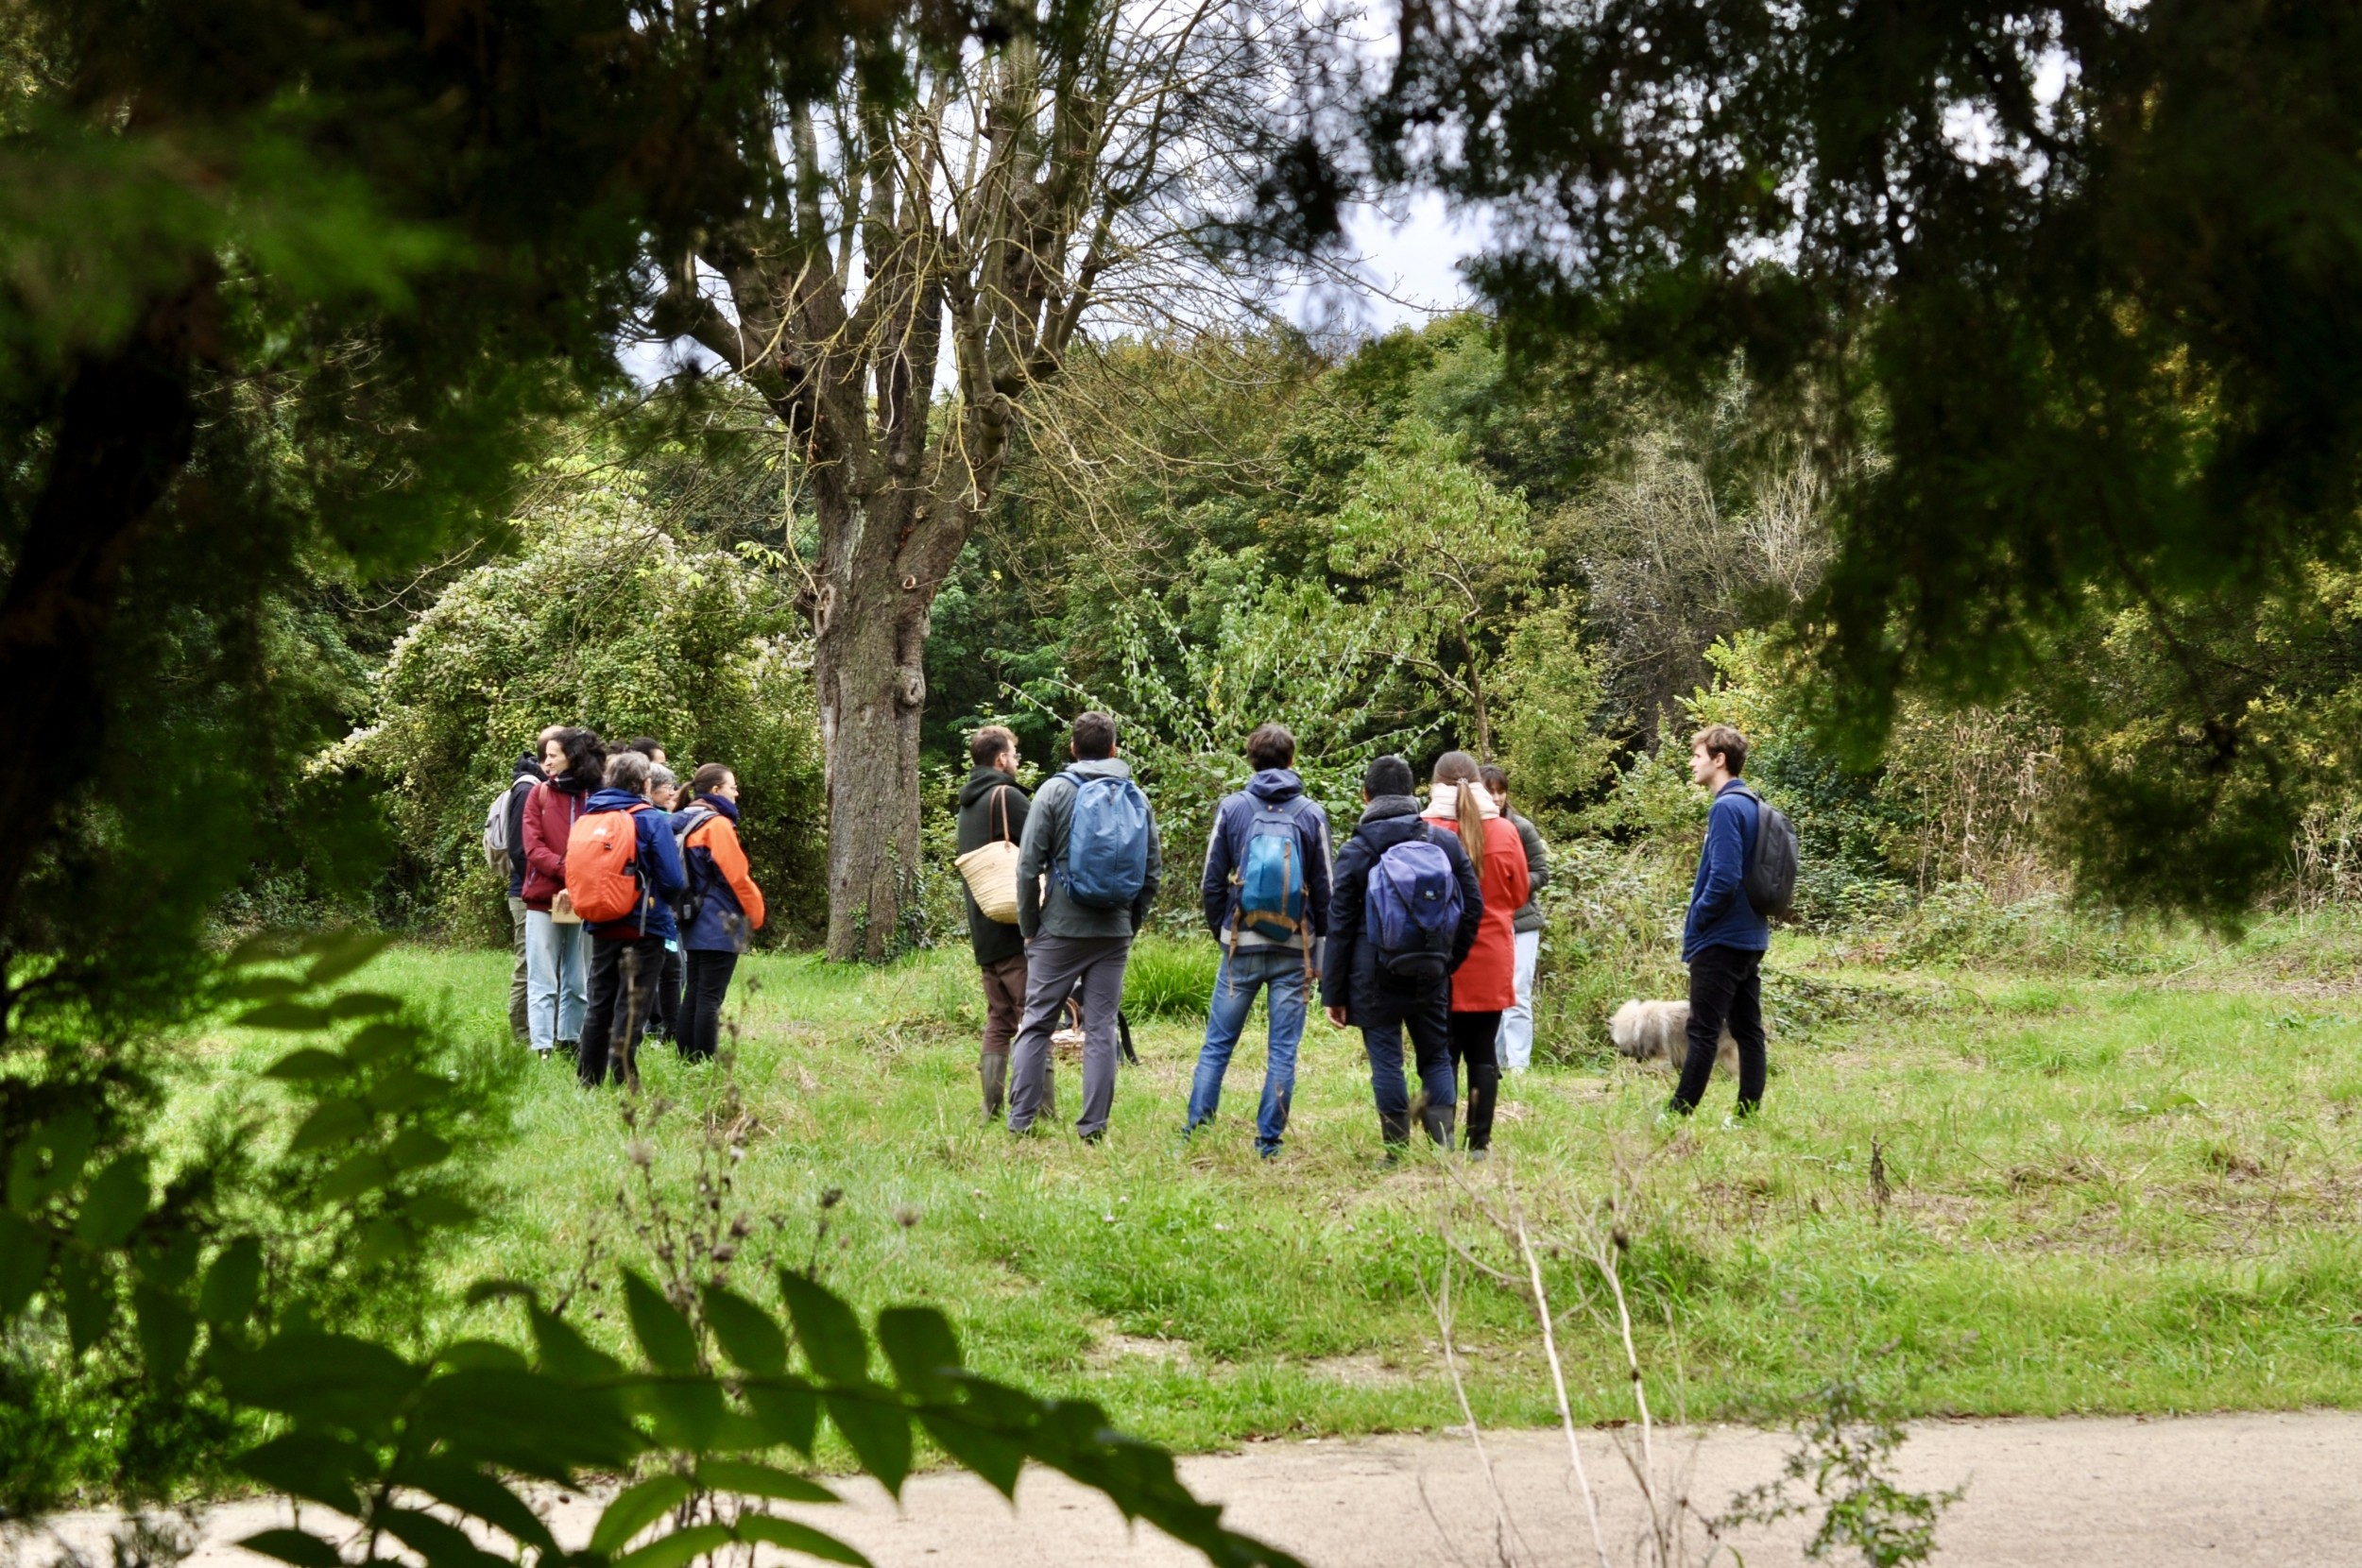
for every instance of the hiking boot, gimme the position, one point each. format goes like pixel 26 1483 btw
pixel 1438 1121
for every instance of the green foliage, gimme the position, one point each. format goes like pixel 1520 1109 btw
pixel 1551 687
pixel 124 1272
pixel 1848 1452
pixel 261 1326
pixel 2106 368
pixel 606 617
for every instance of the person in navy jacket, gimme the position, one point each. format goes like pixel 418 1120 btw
pixel 1724 939
pixel 627 955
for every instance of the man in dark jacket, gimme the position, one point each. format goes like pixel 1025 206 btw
pixel 1517 1036
pixel 1071 946
pixel 522 777
pixel 1271 953
pixel 627 955
pixel 993 808
pixel 1723 940
pixel 1356 990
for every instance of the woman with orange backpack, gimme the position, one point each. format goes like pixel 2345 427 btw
pixel 1484 986
pixel 723 909
pixel 557 952
pixel 623 875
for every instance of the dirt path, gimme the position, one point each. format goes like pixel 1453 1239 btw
pixel 2284 1490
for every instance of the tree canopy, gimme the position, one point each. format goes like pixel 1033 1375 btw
pixel 2063 294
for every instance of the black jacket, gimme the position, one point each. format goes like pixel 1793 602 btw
pixel 523 777
pixel 987 794
pixel 1350 977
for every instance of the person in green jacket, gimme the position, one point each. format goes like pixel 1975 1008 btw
pixel 993 806
pixel 1516 1037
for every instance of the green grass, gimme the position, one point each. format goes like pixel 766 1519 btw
pixel 2110 1192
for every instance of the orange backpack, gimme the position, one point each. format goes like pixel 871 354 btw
pixel 603 866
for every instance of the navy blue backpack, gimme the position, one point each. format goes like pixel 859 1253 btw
pixel 1412 910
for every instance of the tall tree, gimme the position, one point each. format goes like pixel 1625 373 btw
pixel 2079 275
pixel 939 231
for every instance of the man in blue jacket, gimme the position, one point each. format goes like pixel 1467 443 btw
pixel 1724 939
pixel 1270 950
pixel 627 956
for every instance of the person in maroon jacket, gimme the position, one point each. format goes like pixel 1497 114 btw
pixel 557 952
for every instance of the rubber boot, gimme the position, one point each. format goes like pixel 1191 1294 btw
pixel 1484 1088
pixel 994 1068
pixel 1437 1119
pixel 1394 1127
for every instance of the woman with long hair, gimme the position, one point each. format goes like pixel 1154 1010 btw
pixel 558 955
pixel 723 909
pixel 1484 985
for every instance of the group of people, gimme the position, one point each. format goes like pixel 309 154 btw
pixel 629 899
pixel 1424 927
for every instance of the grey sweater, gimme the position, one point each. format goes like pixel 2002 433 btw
pixel 1044 847
pixel 1537 871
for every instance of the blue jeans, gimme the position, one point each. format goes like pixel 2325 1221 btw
pixel 557 977
pixel 1279 971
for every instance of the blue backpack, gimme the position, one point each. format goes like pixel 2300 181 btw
pixel 1412 910
pixel 1106 843
pixel 1270 878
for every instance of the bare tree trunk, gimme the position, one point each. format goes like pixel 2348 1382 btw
pixel 869 669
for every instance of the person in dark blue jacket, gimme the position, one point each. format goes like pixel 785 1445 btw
pixel 627 956
pixel 1357 991
pixel 1724 939
pixel 1279 961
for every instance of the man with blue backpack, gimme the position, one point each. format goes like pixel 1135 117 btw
pixel 1086 873
pixel 1266 897
pixel 1405 913
pixel 1746 874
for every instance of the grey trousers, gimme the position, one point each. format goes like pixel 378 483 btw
pixel 1055 966
pixel 518 1025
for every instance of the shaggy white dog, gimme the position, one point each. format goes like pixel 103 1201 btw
pixel 1657 1031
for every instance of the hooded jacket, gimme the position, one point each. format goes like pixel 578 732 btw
pixel 550 811
pixel 1351 979
pixel 1225 854
pixel 522 777
pixel 1537 872
pixel 1486 980
pixel 1043 848
pixel 724 907
pixel 990 801
pixel 1719 915
pixel 661 882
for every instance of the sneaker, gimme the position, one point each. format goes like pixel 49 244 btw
pixel 542 1053
pixel 1479 1156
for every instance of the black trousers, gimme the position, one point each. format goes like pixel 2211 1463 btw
pixel 664 1017
pixel 1725 987
pixel 1475 1041
pixel 709 981
pixel 623 978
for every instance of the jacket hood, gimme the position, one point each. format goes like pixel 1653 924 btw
pixel 1276 784
pixel 1390 820
pixel 617 800
pixel 1105 767
pixel 526 768
pixel 983 782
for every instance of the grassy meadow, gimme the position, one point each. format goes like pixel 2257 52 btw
pixel 2117 1177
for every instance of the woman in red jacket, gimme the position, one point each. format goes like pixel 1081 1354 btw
pixel 1485 984
pixel 558 955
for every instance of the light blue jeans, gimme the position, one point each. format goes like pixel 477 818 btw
pixel 1279 972
pixel 557 972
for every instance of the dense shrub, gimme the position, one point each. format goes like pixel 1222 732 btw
pixel 605 618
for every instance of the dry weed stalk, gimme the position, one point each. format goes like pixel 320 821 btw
pixel 1598 1238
